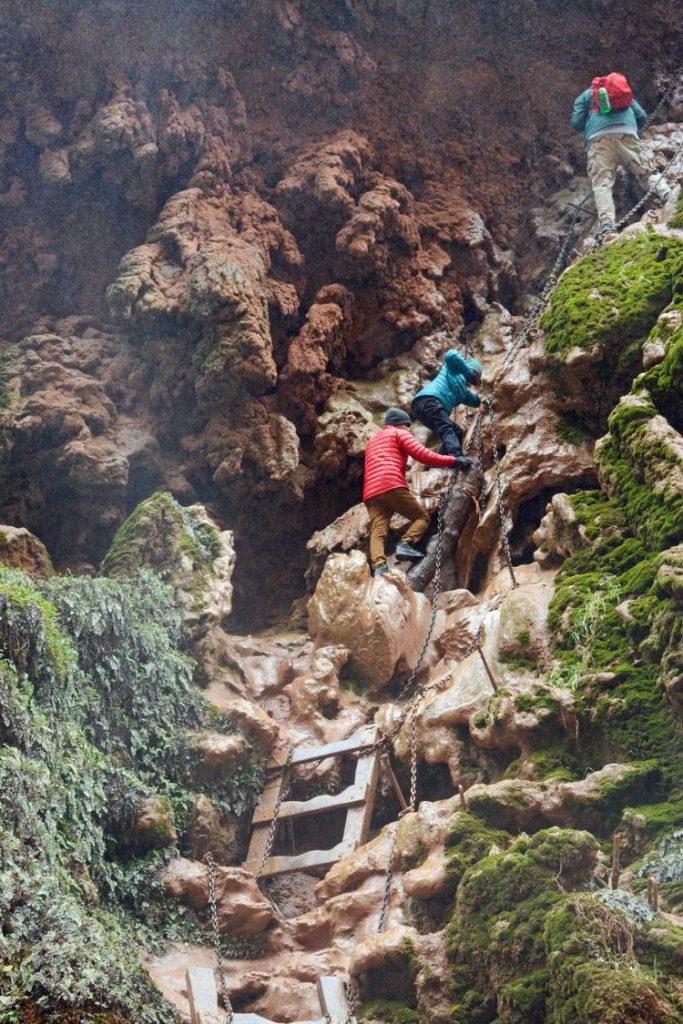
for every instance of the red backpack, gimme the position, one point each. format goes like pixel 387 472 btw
pixel 618 92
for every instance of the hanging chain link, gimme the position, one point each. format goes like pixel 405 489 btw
pixel 272 831
pixel 213 909
pixel 666 96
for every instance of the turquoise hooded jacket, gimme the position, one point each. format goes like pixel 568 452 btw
pixel 450 384
pixel 590 121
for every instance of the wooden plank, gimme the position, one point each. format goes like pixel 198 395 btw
pixel 259 833
pixel 304 861
pixel 202 996
pixel 254 1018
pixel 317 804
pixel 332 996
pixel 364 737
pixel 257 847
pixel 358 818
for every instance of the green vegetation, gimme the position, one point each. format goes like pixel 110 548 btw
pixel 160 532
pixel 613 297
pixel 95 704
pixel 677 219
pixel 529 944
pixel 627 713
pixel 388 1011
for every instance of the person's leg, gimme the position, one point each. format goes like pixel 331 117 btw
pixel 401 500
pixel 602 166
pixel 430 411
pixel 635 159
pixel 380 517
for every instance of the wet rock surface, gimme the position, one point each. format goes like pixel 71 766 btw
pixel 219 272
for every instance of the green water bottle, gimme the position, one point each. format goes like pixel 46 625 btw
pixel 604 105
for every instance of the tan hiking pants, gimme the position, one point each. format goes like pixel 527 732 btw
pixel 381 508
pixel 605 154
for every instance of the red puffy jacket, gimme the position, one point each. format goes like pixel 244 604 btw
pixel 386 456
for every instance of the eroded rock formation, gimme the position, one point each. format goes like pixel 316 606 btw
pixel 233 236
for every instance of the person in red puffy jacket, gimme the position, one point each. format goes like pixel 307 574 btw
pixel 385 490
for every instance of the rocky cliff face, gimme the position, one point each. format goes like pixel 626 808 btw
pixel 234 234
pixel 221 220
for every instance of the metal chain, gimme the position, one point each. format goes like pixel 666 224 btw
pixel 665 97
pixel 437 588
pixel 276 814
pixel 222 983
pixel 352 1000
pixel 388 879
pixel 411 710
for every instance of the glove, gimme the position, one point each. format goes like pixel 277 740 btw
pixel 462 462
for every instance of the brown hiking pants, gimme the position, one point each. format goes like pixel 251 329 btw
pixel 605 155
pixel 380 510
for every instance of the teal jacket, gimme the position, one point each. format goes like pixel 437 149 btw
pixel 450 383
pixel 585 119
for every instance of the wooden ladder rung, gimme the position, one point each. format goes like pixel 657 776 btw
pixel 363 738
pixel 349 797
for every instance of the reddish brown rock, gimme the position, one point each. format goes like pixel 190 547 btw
pixel 21 550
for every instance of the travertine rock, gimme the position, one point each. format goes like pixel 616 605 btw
pixel 242 910
pixel 380 621
pixel 219 753
pixel 153 824
pixel 187 549
pixel 207 832
pixel 594 802
pixel 21 550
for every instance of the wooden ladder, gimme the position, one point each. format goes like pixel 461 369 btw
pixel 203 997
pixel 358 798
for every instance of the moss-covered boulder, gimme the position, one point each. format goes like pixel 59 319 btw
pixel 186 549
pixel 595 976
pixel 495 937
pixel 530 944
pixel 599 318
pixel 640 464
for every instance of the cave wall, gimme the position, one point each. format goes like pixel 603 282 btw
pixel 218 215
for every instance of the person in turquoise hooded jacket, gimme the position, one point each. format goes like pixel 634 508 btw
pixel 612 139
pixel 434 403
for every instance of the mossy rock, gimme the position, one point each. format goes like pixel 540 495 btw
pixel 185 549
pixel 614 295
pixel 640 464
pixel 600 315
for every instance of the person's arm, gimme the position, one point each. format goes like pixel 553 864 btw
pixel 580 111
pixel 471 398
pixel 455 362
pixel 641 116
pixel 412 447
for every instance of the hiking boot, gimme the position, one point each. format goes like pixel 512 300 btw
pixel 405 550
pixel 381 570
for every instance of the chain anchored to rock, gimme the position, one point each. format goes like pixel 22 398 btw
pixel 213 910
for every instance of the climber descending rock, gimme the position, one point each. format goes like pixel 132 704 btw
pixel 611 120
pixel 385 490
pixel 435 402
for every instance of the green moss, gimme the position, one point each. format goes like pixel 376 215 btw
pixel 628 718
pixel 468 840
pixel 594 978
pixel 388 1011
pixel 570 431
pixel 640 468
pixel 158 533
pixel 614 295
pixel 495 938
pixel 677 219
